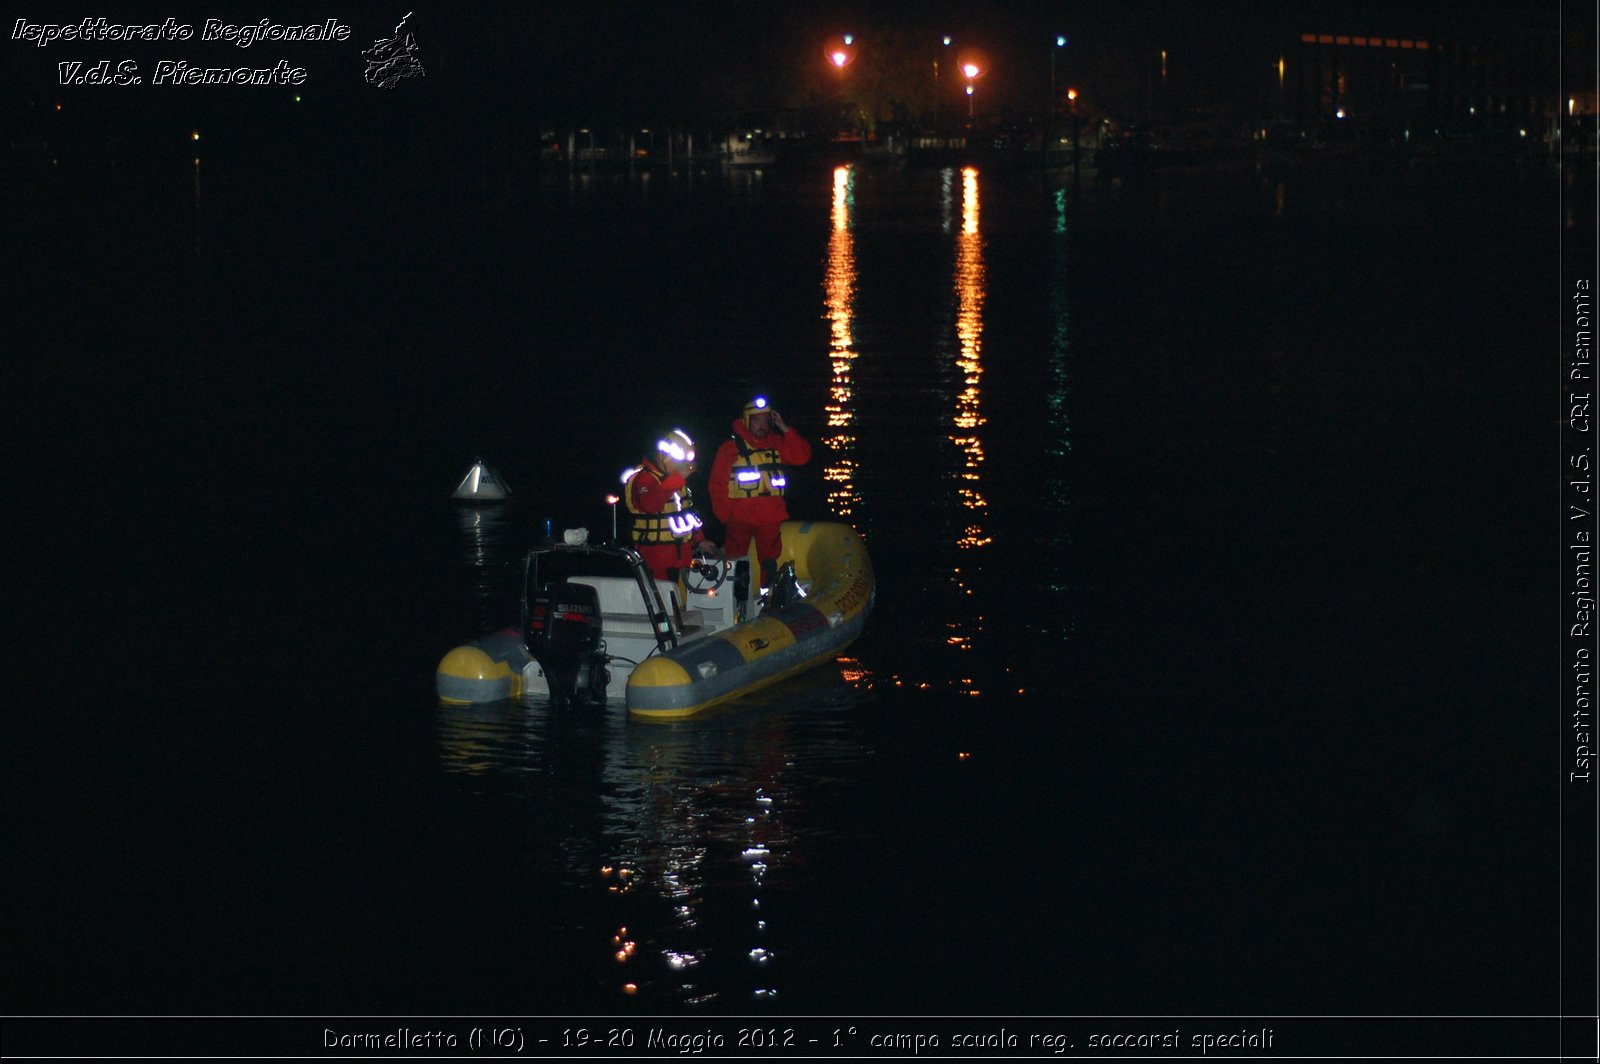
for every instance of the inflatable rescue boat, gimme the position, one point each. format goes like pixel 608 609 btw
pixel 593 620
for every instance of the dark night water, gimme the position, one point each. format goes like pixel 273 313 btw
pixel 1209 672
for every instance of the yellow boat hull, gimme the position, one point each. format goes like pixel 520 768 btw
pixel 831 559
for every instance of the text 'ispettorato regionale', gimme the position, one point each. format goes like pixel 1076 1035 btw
pixel 176 71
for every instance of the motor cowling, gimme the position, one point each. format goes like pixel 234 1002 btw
pixel 563 630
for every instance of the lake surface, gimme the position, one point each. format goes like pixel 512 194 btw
pixel 1211 668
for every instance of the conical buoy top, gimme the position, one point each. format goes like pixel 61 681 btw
pixel 481 484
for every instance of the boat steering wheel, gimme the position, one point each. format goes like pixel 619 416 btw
pixel 707 569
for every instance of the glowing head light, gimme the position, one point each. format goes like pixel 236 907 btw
pixel 758 405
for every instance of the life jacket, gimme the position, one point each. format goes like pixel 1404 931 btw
pixel 754 472
pixel 677 519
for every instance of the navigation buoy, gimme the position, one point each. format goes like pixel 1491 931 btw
pixel 481 484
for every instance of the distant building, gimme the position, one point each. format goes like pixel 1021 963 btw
pixel 1481 81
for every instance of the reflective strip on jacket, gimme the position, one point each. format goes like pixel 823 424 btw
pixel 674 521
pixel 755 472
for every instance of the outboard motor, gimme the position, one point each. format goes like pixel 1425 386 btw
pixel 562 631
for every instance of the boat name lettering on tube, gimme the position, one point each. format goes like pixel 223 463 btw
pixel 853 597
pixel 808 621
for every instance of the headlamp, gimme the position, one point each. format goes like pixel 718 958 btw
pixel 758 405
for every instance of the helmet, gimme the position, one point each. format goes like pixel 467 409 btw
pixel 676 445
pixel 758 405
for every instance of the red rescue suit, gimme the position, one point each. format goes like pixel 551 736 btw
pixel 665 526
pixel 747 485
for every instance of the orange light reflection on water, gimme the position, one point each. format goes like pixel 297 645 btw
pixel 854 672
pixel 839 288
pixel 970 284
pixel 967 420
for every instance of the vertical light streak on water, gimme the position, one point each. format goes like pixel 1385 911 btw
pixel 1060 438
pixel 967 418
pixel 659 826
pixel 693 818
pixel 201 275
pixel 1059 447
pixel 839 291
pixel 947 202
pixel 683 842
pixel 760 849
pixel 675 862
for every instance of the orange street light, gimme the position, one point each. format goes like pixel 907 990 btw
pixel 974 64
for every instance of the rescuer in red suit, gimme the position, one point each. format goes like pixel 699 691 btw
pixel 665 526
pixel 747 483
